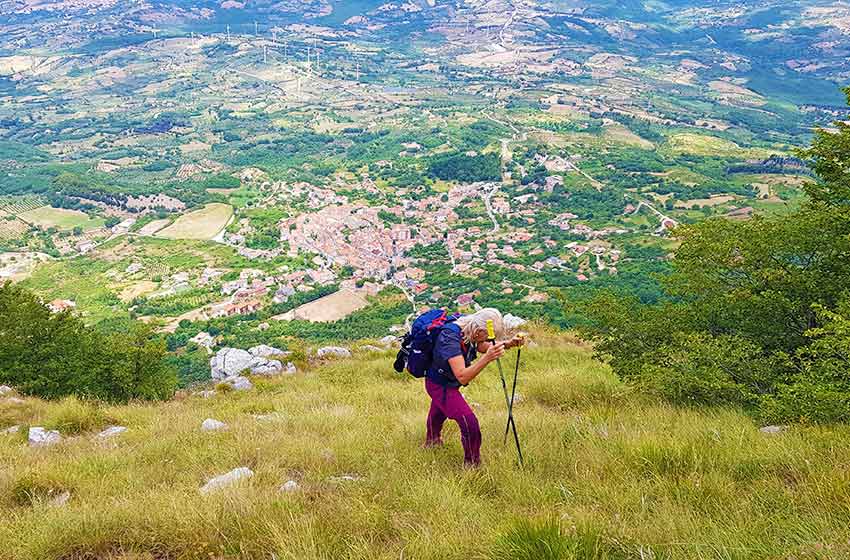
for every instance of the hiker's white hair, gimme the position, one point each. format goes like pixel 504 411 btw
pixel 469 324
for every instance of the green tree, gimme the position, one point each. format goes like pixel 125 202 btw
pixel 52 355
pixel 755 311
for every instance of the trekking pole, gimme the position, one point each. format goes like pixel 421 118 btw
pixel 511 420
pixel 491 337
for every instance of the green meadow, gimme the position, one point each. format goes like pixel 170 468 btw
pixel 609 474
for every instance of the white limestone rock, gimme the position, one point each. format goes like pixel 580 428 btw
pixel 61 499
pixel 111 431
pixel 11 430
pixel 6 390
pixel 239 383
pixel 512 322
pixel 263 366
pixel 289 486
pixel 229 362
pixel 39 437
pixel 265 351
pixel 771 430
pixel 227 480
pixel 212 425
pixel 345 478
pixel 333 352
pixel 389 341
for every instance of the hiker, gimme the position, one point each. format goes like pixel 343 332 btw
pixel 453 366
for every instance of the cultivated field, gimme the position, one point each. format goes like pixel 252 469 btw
pixel 333 307
pixel 711 146
pixel 205 223
pixel 60 218
pixel 152 227
pixel 609 475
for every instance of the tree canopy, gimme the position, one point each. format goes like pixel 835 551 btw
pixel 756 312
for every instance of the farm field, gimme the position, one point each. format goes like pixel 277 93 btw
pixel 203 224
pixel 333 307
pixel 60 218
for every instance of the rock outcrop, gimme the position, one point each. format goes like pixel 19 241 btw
pixel 230 362
pixel 239 383
pixel 212 425
pixel 227 479
pixel 389 340
pixel 333 352
pixel 111 431
pixel 266 351
pixel 512 322
pixel 289 486
pixel 39 437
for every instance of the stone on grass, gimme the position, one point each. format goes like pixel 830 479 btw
pixel 773 429
pixel 289 486
pixel 270 417
pixel 370 348
pixel 11 430
pixel 239 383
pixel 39 437
pixel 111 431
pixel 512 322
pixel 389 340
pixel 230 362
pixel 212 425
pixel 60 499
pixel 265 351
pixel 5 390
pixel 227 479
pixel 333 351
pixel 345 478
pixel 205 394
pixel 14 400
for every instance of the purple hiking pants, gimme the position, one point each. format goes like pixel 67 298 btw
pixel 447 402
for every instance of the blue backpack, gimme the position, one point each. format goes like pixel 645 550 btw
pixel 417 347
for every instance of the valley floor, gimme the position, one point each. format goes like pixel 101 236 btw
pixel 609 474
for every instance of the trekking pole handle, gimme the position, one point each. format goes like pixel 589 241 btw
pixel 491 331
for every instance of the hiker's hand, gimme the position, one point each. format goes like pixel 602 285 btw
pixel 518 340
pixel 495 352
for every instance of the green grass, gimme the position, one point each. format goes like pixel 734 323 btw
pixel 609 474
pixel 61 218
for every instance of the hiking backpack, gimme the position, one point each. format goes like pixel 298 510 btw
pixel 417 346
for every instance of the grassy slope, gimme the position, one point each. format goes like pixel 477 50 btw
pixel 609 475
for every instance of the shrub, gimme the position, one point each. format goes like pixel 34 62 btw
pixel 53 355
pixel 756 312
pixel 73 416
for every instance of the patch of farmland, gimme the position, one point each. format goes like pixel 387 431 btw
pixel 11 229
pixel 205 223
pixel 711 146
pixel 153 227
pixel 60 218
pixel 715 200
pixel 133 291
pixel 16 205
pixel 333 307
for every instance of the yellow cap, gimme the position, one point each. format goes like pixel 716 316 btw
pixel 491 332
